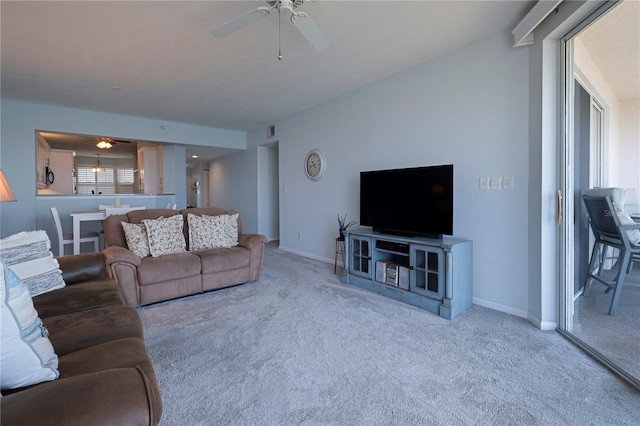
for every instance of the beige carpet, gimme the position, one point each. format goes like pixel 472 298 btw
pixel 299 347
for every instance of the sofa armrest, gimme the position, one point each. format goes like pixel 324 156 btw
pixel 82 267
pixel 255 244
pixel 249 240
pixel 115 254
pixel 123 268
pixel 108 397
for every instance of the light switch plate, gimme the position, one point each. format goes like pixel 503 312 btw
pixel 484 183
pixel 507 182
pixel 495 182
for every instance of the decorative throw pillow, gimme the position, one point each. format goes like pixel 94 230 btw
pixel 27 356
pixel 212 231
pixel 136 236
pixel 29 256
pixel 165 235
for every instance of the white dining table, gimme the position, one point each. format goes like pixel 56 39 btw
pixel 83 216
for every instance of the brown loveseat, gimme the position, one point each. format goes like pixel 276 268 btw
pixel 106 376
pixel 154 279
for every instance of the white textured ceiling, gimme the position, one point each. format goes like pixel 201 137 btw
pixel 157 59
pixel 613 42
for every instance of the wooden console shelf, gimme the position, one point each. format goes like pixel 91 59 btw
pixel 432 274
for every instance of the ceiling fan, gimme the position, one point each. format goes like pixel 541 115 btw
pixel 106 143
pixel 285 8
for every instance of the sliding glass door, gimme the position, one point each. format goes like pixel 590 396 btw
pixel 595 142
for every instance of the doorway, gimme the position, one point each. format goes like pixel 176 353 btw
pixel 269 191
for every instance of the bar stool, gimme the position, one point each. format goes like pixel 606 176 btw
pixel 339 250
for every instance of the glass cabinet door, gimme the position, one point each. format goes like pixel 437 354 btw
pixel 360 256
pixel 427 271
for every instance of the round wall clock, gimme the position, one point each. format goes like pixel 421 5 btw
pixel 315 164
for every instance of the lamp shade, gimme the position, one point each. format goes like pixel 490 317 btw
pixel 5 191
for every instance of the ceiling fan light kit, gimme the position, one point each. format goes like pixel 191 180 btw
pixel 105 143
pixel 287 8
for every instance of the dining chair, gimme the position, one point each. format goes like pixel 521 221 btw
pixel 612 227
pixel 65 239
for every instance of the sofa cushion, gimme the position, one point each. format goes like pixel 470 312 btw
pixel 224 259
pixel 137 240
pixel 153 270
pixel 212 231
pixel 118 353
pixel 165 235
pixel 79 297
pixel 27 355
pixel 28 254
pixel 79 330
pixel 78 268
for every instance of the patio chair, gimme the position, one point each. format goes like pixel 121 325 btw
pixel 612 227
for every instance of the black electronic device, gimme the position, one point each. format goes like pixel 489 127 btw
pixel 414 201
pixel 392 246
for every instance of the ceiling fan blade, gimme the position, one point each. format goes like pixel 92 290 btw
pixel 310 30
pixel 240 22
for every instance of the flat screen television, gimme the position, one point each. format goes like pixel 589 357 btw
pixel 409 202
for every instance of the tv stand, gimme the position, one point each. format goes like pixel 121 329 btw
pixel 432 274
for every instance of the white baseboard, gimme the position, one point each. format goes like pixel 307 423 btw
pixel 308 255
pixel 500 307
pixel 542 325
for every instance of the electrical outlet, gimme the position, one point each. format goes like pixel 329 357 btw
pixel 484 183
pixel 299 235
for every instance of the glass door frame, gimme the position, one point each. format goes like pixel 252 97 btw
pixel 566 204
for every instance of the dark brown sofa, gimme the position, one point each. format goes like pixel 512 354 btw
pixel 154 279
pixel 106 375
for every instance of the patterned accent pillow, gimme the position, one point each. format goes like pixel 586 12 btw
pixel 27 356
pixel 137 240
pixel 29 256
pixel 212 231
pixel 165 235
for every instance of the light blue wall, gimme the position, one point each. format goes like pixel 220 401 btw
pixel 234 184
pixel 20 120
pixel 469 108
